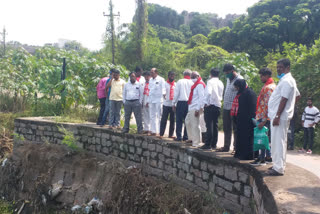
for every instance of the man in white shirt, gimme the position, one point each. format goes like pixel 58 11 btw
pixel 156 93
pixel 213 98
pixel 145 109
pixel 196 103
pixel 167 106
pixel 280 111
pixel 132 100
pixel 139 78
pixel 310 117
pixel 180 103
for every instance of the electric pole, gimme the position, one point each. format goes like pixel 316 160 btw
pixel 111 21
pixel 4 33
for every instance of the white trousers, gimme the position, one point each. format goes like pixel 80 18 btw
pixel 155 116
pixel 146 118
pixel 193 128
pixel 279 145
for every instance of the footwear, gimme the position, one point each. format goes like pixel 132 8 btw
pixel 177 139
pixel 214 147
pixel 222 149
pixel 160 137
pixel 268 160
pixel 153 134
pixel 101 125
pixel 188 141
pixel 272 172
pixel 145 132
pixel 171 137
pixel 205 147
pixel 233 152
pixel 290 148
pixel 255 163
pixel 309 152
pixel 301 150
pixel 141 132
pixel 124 131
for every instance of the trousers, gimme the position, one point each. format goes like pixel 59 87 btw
pixel 135 107
pixel 114 117
pixel 166 111
pixel 155 114
pixel 211 115
pixel 181 113
pixel 102 109
pixel 146 118
pixel 193 128
pixel 308 137
pixel 229 124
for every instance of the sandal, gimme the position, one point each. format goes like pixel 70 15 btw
pixel 222 149
pixel 272 172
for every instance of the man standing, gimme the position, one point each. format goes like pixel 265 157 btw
pixel 102 98
pixel 156 93
pixel 310 118
pixel 167 106
pixel 196 104
pixel 145 108
pixel 180 103
pixel 139 78
pixel 107 108
pixel 132 100
pixel 262 111
pixel 117 86
pixel 213 98
pixel 229 122
pixel 280 111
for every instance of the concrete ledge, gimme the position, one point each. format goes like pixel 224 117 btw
pixel 239 187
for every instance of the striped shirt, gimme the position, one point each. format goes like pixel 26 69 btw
pixel 310 115
pixel 230 92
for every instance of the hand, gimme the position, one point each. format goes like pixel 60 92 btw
pixel 147 105
pixel 205 105
pixel 196 113
pixel 173 108
pixel 164 96
pixel 311 125
pixel 302 123
pixel 276 121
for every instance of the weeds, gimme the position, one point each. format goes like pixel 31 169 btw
pixel 68 138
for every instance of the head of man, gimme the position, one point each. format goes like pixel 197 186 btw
pixel 138 71
pixel 214 72
pixel 229 71
pixel 265 74
pixel 194 76
pixel 154 72
pixel 133 78
pixel 171 76
pixel 283 67
pixel 147 75
pixel 309 102
pixel 187 72
pixel 111 71
pixel 116 74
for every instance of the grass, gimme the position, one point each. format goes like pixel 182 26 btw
pixel 5 207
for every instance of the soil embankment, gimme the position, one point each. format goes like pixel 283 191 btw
pixel 50 178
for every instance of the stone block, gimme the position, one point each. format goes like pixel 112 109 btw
pixel 161 157
pixel 119 139
pixel 39 127
pixel 109 143
pixel 123 155
pixel 113 138
pixel 146 154
pixel 182 174
pixel 145 145
pixel 230 205
pixel 89 133
pixel 153 163
pixel 137 158
pixel 103 142
pixel 98 148
pixel 195 163
pixel 190 177
pixel 169 161
pixel 166 151
pixel 237 186
pixel 225 184
pixel 186 167
pixel 40 133
pixel 115 153
pixel 48 128
pixel 160 164
pixel 47 133
pixel 212 187
pixel 153 155
pixel 158 148
pixel 181 155
pixel 215 179
pixel 243 177
pixel 105 150
pixel 205 175
pixel 196 172
pixel 220 191
pixel 244 201
pixel 201 183
pixel 98 140
pixel 220 170
pixel 187 159
pixel 131 157
pixel 247 191
pixel 105 135
pixel 131 141
pixel 97 134
pixel 152 147
pixel 249 210
pixel 123 147
pixel 168 168
pixel 204 166
pixel 92 148
pixel 138 143
pixel 131 149
pixel 231 197
pixel 23 125
pixel 230 174
pixel 174 154
pixel 84 138
pixel 139 151
pixel 33 126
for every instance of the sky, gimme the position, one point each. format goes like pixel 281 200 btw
pixel 36 22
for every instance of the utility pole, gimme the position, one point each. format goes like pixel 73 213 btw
pixel 4 33
pixel 111 19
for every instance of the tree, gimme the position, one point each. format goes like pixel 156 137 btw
pixel 141 27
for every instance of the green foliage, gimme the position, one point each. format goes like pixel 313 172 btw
pixel 200 24
pixel 68 138
pixel 170 34
pixel 164 16
pixel 198 40
pixel 5 207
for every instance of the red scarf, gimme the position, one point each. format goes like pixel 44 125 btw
pixel 171 89
pixel 146 89
pixel 235 106
pixel 138 78
pixel 187 77
pixel 193 87
pixel 269 81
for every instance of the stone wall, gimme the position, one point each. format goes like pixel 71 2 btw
pixel 238 187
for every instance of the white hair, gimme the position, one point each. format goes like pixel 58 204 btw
pixel 187 72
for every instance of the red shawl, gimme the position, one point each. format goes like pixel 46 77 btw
pixel 187 77
pixel 193 87
pixel 235 106
pixel 146 89
pixel 171 89
pixel 138 78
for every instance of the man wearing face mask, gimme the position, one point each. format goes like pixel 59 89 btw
pixel 196 104
pixel 280 111
pixel 229 122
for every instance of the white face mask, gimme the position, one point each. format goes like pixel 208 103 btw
pixel 194 80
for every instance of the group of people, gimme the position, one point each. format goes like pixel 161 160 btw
pixel 191 103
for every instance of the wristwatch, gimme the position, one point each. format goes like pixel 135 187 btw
pixel 277 116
